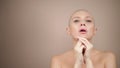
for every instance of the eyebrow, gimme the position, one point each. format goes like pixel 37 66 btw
pixel 85 17
pixel 75 17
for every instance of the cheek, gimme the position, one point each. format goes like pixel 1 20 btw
pixel 73 30
pixel 92 30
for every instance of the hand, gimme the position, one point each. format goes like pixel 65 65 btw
pixel 87 44
pixel 79 57
pixel 83 43
pixel 79 47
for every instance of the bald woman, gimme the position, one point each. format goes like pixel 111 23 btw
pixel 83 55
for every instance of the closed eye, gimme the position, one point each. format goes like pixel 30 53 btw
pixel 76 21
pixel 88 20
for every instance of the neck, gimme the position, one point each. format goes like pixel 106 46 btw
pixel 93 52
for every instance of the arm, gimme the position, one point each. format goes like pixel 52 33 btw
pixel 88 48
pixel 83 43
pixel 55 63
pixel 78 61
pixel 110 61
pixel 78 54
pixel 89 63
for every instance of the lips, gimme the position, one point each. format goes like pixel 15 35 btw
pixel 83 31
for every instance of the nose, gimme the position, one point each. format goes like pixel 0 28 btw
pixel 82 24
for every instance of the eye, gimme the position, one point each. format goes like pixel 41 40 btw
pixel 76 21
pixel 88 20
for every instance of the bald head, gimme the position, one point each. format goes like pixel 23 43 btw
pixel 81 13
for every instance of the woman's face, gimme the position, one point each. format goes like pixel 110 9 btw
pixel 81 25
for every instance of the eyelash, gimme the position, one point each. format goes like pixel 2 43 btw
pixel 79 21
pixel 88 20
pixel 76 21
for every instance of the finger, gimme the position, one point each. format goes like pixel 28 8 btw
pixel 79 43
pixel 80 40
pixel 87 43
pixel 85 40
pixel 78 48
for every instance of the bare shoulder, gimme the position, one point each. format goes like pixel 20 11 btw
pixel 58 59
pixel 55 62
pixel 109 59
pixel 108 55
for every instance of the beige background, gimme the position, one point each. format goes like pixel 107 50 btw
pixel 31 32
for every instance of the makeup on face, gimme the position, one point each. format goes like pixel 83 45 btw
pixel 83 30
pixel 81 24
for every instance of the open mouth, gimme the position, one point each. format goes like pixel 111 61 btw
pixel 83 31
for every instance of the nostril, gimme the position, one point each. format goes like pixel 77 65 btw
pixel 82 24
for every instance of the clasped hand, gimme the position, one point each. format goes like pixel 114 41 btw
pixel 82 49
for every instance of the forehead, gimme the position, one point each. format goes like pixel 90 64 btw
pixel 81 14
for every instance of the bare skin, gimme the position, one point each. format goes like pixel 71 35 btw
pixel 100 60
pixel 83 20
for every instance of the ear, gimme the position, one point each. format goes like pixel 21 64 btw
pixel 68 30
pixel 95 30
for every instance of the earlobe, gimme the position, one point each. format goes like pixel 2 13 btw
pixel 95 31
pixel 68 30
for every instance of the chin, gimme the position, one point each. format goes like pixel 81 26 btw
pixel 84 36
pixel 88 38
